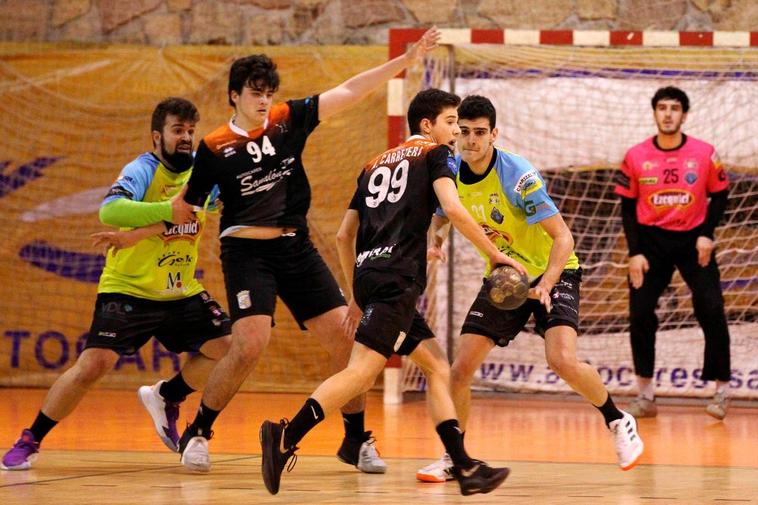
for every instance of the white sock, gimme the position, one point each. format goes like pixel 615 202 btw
pixel 646 387
pixel 722 387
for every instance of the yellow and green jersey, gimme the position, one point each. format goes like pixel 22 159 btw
pixel 161 267
pixel 508 201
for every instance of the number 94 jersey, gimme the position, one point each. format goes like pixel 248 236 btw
pixel 395 200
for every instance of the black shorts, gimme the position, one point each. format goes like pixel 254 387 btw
pixel 125 323
pixel 502 326
pixel 390 322
pixel 256 271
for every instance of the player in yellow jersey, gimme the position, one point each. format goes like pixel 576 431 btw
pixel 147 289
pixel 507 197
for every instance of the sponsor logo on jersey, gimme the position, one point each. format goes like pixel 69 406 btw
pixel 373 254
pixel 621 179
pixel 494 199
pixel 531 207
pixel 229 151
pixel 648 181
pixel 527 183
pixel 668 198
pixel 191 229
pixel 494 234
pixel 648 165
pixel 175 259
pixel 174 281
pixel 690 178
pixel 265 183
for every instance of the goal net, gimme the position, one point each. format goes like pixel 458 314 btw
pixel 573 112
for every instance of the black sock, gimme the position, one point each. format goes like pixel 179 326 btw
pixel 304 421
pixel 355 428
pixel 175 390
pixel 42 426
pixel 610 411
pixel 204 421
pixel 452 439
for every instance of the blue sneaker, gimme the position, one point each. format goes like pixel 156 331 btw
pixel 22 454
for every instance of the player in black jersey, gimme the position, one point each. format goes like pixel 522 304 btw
pixel 382 248
pixel 256 160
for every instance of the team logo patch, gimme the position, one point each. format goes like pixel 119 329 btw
pixel 494 199
pixel 243 299
pixel 690 177
pixel 451 164
pixel 496 215
pixel 528 183
pixel 648 181
pixel 648 165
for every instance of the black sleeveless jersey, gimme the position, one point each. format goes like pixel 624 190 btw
pixel 259 173
pixel 395 200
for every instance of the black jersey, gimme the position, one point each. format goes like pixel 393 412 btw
pixel 260 173
pixel 395 200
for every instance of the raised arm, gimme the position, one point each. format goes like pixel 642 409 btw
pixel 356 88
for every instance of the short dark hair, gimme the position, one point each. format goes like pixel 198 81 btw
pixel 671 93
pixel 257 71
pixel 476 106
pixel 179 107
pixel 429 104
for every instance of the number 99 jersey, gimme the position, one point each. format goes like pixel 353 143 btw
pixel 395 201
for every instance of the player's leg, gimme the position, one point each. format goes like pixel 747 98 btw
pixel 250 335
pixel 708 304
pixel 559 328
pixel 64 395
pixel 643 324
pixel 279 440
pixel 471 354
pixel 251 290
pixel 473 476
pixel 197 324
pixel 313 296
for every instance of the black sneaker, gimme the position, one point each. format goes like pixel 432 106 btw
pixel 480 478
pixel 274 460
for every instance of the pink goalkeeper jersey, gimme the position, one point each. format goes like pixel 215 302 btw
pixel 672 186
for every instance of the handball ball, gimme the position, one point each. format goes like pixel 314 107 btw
pixel 506 288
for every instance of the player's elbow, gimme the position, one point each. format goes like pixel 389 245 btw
pixel 344 237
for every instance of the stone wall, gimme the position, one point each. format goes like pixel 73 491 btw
pixel 275 22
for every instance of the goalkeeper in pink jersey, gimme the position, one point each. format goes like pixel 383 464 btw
pixel 673 192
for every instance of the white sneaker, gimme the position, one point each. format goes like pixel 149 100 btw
pixel 628 443
pixel 718 406
pixel 164 414
pixel 368 458
pixel 195 455
pixel 439 471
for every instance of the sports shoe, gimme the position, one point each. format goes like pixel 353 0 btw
pixel 439 471
pixel 481 478
pixel 627 441
pixel 193 447
pixel 164 414
pixel 718 406
pixel 274 458
pixel 642 407
pixel 362 454
pixel 22 454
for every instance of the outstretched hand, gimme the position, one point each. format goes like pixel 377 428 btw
pixel 426 44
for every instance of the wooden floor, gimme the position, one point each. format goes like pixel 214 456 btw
pixel 559 453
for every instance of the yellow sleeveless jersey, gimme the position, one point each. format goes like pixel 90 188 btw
pixel 508 202
pixel 161 267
